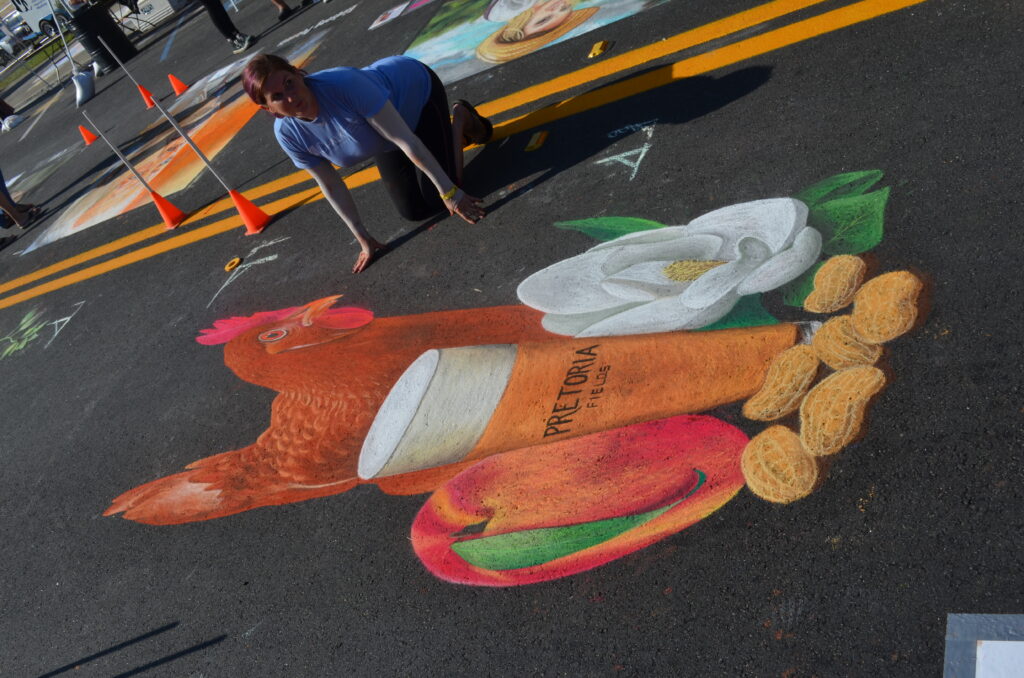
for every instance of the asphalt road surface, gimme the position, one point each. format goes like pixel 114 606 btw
pixel 103 386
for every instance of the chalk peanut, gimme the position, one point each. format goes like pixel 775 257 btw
pixel 789 376
pixel 776 467
pixel 832 413
pixel 839 347
pixel 835 284
pixel 886 306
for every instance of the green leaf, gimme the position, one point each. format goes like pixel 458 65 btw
pixel 609 228
pixel 850 225
pixel 795 291
pixel 839 186
pixel 748 312
pixel 526 548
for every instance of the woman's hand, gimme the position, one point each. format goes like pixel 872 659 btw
pixel 370 248
pixel 466 206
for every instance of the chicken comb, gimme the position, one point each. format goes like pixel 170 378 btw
pixel 226 329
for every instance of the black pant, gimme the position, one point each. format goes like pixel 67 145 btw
pixel 219 17
pixel 412 191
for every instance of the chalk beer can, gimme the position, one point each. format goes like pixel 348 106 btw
pixel 465 403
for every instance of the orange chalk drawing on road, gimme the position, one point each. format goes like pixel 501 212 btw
pixel 171 168
pixel 563 434
pixel 331 367
pixel 164 159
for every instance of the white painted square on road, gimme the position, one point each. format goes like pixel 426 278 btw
pixel 1000 659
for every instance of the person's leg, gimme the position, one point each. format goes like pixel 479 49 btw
pixel 3 188
pixel 401 179
pixel 11 208
pixel 412 191
pixel 20 213
pixel 221 20
pixel 283 10
pixel 468 127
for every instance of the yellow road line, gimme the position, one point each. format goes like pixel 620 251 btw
pixel 357 179
pixel 703 63
pixel 714 30
pixel 724 56
pixel 642 55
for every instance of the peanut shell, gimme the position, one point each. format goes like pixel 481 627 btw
pixel 835 284
pixel 789 376
pixel 832 413
pixel 886 306
pixel 839 347
pixel 776 467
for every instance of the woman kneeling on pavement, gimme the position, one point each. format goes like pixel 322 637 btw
pixel 394 111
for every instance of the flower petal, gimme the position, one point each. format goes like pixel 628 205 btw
pixel 784 266
pixel 571 325
pixel 663 315
pixel 718 282
pixel 653 236
pixel 683 246
pixel 643 282
pixel 774 222
pixel 569 286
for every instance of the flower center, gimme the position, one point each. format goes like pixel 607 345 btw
pixel 689 269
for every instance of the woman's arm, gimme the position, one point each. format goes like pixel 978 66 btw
pixel 390 125
pixel 336 192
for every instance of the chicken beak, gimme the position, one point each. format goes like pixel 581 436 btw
pixel 313 309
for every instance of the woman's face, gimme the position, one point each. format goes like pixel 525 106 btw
pixel 546 16
pixel 285 95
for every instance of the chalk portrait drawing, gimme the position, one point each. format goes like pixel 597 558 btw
pixel 469 36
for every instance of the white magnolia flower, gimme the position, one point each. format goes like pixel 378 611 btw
pixel 678 277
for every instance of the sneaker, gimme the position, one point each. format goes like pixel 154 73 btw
pixel 242 42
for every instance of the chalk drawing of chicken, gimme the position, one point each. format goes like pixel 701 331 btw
pixel 332 368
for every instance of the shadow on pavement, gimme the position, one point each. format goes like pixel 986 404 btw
pixel 503 168
pixel 110 650
pixel 171 657
pixel 578 137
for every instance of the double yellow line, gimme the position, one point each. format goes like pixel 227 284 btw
pixel 724 56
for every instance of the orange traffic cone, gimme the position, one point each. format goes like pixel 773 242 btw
pixel 146 96
pixel 171 215
pixel 254 218
pixel 178 86
pixel 87 135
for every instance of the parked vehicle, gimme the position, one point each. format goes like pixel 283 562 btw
pixel 37 14
pixel 15 36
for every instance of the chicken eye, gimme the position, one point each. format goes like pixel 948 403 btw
pixel 272 335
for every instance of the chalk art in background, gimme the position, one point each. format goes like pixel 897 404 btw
pixel 323 22
pixel 388 16
pixel 217 110
pixel 416 4
pixel 553 451
pixel 469 36
pixel 33 327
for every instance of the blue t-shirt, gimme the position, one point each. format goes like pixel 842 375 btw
pixel 345 98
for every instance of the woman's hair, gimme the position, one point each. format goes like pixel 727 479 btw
pixel 259 68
